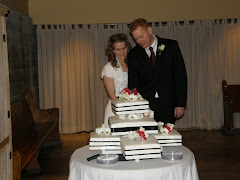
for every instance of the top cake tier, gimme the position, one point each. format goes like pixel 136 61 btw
pixel 130 107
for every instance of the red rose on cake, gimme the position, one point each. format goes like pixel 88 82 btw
pixel 130 95
pixel 139 135
pixel 165 129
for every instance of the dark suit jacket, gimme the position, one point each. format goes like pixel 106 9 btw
pixel 168 78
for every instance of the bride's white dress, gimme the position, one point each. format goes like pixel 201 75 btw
pixel 120 82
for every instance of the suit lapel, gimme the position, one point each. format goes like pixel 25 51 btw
pixel 158 54
pixel 159 43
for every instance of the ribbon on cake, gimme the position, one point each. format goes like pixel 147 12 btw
pixel 126 129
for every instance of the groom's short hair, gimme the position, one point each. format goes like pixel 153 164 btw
pixel 138 22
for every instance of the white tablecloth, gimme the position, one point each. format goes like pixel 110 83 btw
pixel 151 169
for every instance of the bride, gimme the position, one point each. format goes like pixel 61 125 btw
pixel 115 72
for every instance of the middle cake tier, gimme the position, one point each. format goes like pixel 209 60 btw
pixel 120 107
pixel 121 127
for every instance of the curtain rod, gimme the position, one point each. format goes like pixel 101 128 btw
pixel 112 25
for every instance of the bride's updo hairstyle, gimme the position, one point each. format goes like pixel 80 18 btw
pixel 109 50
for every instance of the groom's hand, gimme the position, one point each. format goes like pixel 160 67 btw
pixel 179 111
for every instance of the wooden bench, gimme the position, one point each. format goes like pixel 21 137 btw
pixel 31 127
pixel 231 104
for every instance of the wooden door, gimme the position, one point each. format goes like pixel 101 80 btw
pixel 6 167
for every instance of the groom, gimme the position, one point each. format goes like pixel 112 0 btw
pixel 158 73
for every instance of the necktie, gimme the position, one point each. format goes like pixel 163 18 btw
pixel 152 57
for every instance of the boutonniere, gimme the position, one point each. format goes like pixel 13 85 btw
pixel 160 48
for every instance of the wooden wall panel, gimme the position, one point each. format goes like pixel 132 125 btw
pixel 5 119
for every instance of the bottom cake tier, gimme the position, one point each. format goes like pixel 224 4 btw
pixel 133 149
pixel 98 142
pixel 174 138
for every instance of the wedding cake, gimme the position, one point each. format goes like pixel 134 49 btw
pixel 133 132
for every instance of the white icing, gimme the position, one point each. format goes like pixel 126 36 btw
pixel 121 103
pixel 116 122
pixel 126 108
pixel 95 137
pixel 140 150
pixel 104 147
pixel 126 133
pixel 145 156
pixel 145 151
pixel 170 141
pixel 170 144
pixel 111 151
pixel 150 143
pixel 174 138
pixel 102 143
pixel 174 134
pixel 130 112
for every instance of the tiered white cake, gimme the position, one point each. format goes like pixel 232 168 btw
pixel 132 112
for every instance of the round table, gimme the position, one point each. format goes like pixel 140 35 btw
pixel 150 169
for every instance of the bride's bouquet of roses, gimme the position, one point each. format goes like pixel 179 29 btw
pixel 130 95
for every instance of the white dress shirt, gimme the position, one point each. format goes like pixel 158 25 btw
pixel 154 46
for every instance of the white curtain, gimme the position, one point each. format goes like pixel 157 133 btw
pixel 71 58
